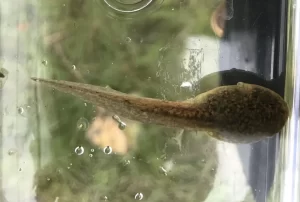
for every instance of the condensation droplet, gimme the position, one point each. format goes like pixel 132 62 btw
pixel 73 67
pixel 139 196
pixel 45 62
pixel 91 155
pixel 82 124
pixel 79 150
pixel 107 150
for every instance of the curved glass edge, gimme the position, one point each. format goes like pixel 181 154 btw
pixel 286 186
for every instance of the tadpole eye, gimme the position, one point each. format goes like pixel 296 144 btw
pixel 2 75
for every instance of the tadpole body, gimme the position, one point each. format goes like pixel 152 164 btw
pixel 241 113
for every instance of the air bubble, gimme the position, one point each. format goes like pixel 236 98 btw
pixel 186 84
pixel 73 67
pixel 128 39
pixel 91 155
pixel 116 118
pixel 139 196
pixel 128 7
pixel 21 110
pixel 12 152
pixel 79 150
pixel 163 170
pixel 107 150
pixel 126 162
pixel 92 150
pixel 3 77
pixel 122 125
pixel 45 62
pixel 82 124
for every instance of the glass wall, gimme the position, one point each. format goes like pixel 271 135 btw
pixel 57 147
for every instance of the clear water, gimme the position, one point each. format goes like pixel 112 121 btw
pixel 58 148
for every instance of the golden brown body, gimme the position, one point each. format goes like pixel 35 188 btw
pixel 241 113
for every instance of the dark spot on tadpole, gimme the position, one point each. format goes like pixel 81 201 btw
pixel 2 75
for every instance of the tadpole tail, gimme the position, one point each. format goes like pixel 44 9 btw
pixel 147 110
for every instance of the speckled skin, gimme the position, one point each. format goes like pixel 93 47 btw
pixel 241 113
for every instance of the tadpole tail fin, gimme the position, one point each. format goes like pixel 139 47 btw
pixel 146 110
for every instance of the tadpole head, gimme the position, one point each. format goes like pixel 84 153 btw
pixel 245 113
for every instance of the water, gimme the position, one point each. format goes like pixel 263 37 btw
pixel 155 49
